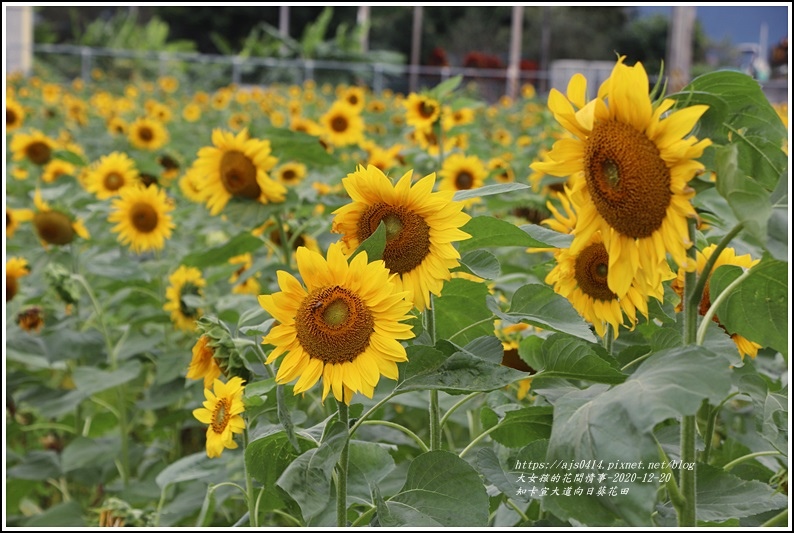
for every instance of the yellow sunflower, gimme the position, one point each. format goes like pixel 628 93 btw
pixel 16 267
pixel 501 170
pixel 420 228
pixel 15 114
pixel 290 173
pixel 237 166
pixel 630 163
pixel 14 217
pixel 355 96
pixel 190 185
pixel 344 326
pixel 191 112
pixel 57 168
pixel 142 218
pixel 111 174
pixel 249 285
pixel 305 125
pixel 460 172
pixel 342 125
pixel 54 226
pixel 383 158
pixel 421 111
pixel 185 281
pixel 458 117
pixel 203 364
pixel 727 257
pixel 147 134
pixel 221 410
pixel 35 147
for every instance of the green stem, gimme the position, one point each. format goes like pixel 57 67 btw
pixel 609 338
pixel 249 484
pixel 435 411
pixel 457 405
pixel 287 516
pixel 701 335
pixel 749 456
pixel 476 441
pixel 398 427
pixel 637 360
pixel 708 437
pixel 510 503
pixel 366 515
pixel 282 235
pixel 341 470
pixel 672 487
pixel 372 409
pixel 777 520
pixel 697 291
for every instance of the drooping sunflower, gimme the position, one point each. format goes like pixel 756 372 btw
pixel 15 114
pixel 53 226
pixel 461 172
pixel 185 281
pixel 203 364
pixel 345 325
pixel 142 218
pixel 34 146
pixel 421 111
pixel 31 319
pixel 236 166
pixel 727 257
pixel 342 125
pixel 147 134
pixel 290 173
pixel 630 163
pixel 16 267
pixel 57 168
pixel 421 226
pixel 221 410
pixel 112 173
pixel 14 217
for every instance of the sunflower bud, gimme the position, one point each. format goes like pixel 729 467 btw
pixel 64 284
pixel 227 352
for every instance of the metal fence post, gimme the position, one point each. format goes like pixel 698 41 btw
pixel 85 63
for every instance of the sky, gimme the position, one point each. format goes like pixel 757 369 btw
pixel 737 23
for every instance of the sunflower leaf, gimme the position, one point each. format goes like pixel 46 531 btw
pixel 522 426
pixel 562 356
pixel 461 312
pixel 238 245
pixel 489 190
pixel 445 87
pixel 288 145
pixel 374 245
pixel 69 157
pixel 481 263
pixel 491 232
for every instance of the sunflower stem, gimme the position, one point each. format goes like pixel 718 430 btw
pixel 398 427
pixel 341 469
pixel 701 334
pixel 686 514
pixel 700 286
pixel 712 421
pixel 778 520
pixel 609 338
pixel 282 235
pixel 748 457
pixel 249 485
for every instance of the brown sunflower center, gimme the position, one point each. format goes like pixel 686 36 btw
pixel 352 99
pixel 339 124
pixel 144 217
pixel 11 117
pixel 464 180
pixel 188 289
pixel 38 152
pixel 627 179
pixel 334 325
pixel 221 415
pixel 11 287
pixel 289 175
pixel 426 109
pixel 407 235
pixel 53 227
pixel 238 174
pixel 591 269
pixel 113 181
pixel 145 134
pixel 9 221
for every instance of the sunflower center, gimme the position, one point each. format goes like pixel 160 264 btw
pixel 144 217
pixel 8 221
pixel 39 153
pixel 627 179
pixel 220 415
pixel 352 99
pixel 464 180
pixel 11 287
pixel 54 227
pixel 591 269
pixel 334 325
pixel 426 109
pixel 339 124
pixel 188 289
pixel 407 235
pixel 146 134
pixel 11 117
pixel 288 175
pixel 113 181
pixel 238 174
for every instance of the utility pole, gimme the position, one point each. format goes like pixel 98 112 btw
pixel 679 47
pixel 283 24
pixel 515 51
pixel 362 19
pixel 416 47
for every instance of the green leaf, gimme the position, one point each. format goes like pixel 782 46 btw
pixel 83 452
pixel 445 87
pixel 422 359
pixel 461 313
pixel 523 426
pixel 757 308
pixel 374 245
pixel 65 514
pixel 69 157
pixel 489 190
pixel 90 380
pixel 565 357
pixel 777 227
pixel 267 457
pixel 481 263
pixel 542 307
pixel 289 145
pixel 36 465
pixel 307 479
pixel 369 463
pixel 441 490
pixel 487 348
pixel 490 232
pixel 240 244
pixel 188 468
pixel 551 238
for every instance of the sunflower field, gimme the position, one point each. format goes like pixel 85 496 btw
pixel 316 305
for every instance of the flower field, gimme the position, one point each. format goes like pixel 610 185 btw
pixel 316 305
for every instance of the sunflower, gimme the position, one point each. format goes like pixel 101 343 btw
pixel 15 114
pixel 458 117
pixel 460 172
pixel 53 226
pixel 14 217
pixel 191 112
pixel 147 134
pixel 31 319
pixel 16 267
pixel 236 166
pixel 501 170
pixel 203 364
pixel 344 326
pixel 249 285
pixel 111 174
pixel 190 185
pixel 383 158
pixel 355 96
pixel 305 125
pixel 221 410
pixel 420 228
pixel 630 169
pixel 142 218
pixel 342 125
pixel 35 147
pixel 727 257
pixel 57 168
pixel 290 173
pixel 421 111
pixel 185 281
